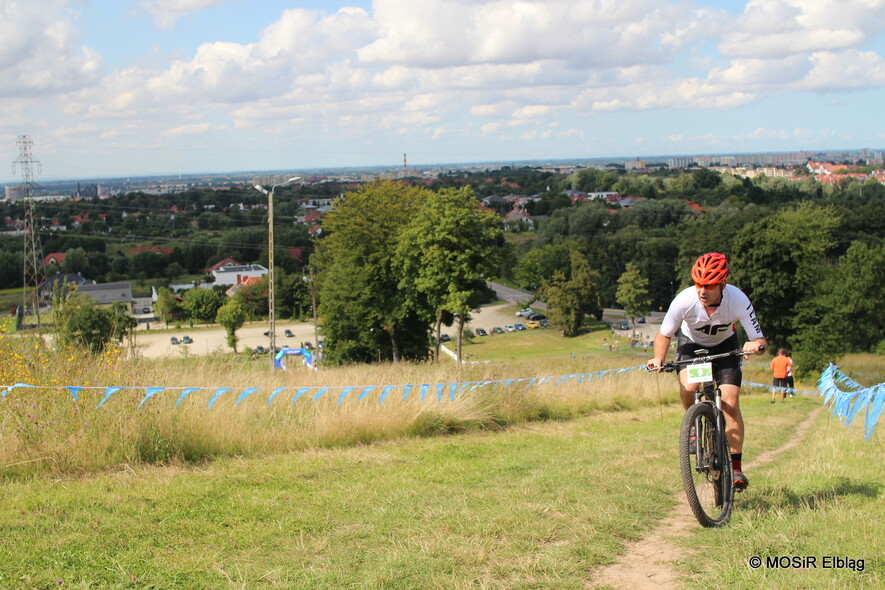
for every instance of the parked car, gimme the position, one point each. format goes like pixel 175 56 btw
pixel 173 340
pixel 520 326
pixel 445 338
pixel 524 313
pixel 544 324
pixel 288 333
pixel 481 332
pixel 537 317
pixel 510 328
pixel 533 324
pixel 497 330
pixel 260 350
pixel 641 320
pixel 624 326
pixel 186 340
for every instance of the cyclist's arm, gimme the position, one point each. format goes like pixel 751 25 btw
pixel 661 346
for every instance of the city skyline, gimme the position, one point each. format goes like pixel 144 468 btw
pixel 162 87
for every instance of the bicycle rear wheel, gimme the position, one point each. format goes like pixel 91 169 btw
pixel 706 472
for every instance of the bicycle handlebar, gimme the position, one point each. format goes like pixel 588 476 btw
pixel 671 366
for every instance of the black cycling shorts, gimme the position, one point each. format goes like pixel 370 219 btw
pixel 726 371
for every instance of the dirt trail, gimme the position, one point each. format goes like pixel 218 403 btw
pixel 647 564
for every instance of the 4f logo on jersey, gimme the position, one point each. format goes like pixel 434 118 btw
pixel 713 330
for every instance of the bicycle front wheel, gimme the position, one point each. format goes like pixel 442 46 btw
pixel 706 466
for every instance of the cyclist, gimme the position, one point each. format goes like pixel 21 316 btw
pixel 706 315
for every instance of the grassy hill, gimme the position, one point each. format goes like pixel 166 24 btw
pixel 507 487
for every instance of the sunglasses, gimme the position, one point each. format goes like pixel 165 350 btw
pixel 708 287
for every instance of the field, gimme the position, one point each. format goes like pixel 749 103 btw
pixel 506 487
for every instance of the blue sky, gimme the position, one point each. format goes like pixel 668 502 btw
pixel 127 87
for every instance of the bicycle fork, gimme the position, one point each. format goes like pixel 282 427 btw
pixel 711 395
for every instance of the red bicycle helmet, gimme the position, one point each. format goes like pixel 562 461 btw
pixel 710 269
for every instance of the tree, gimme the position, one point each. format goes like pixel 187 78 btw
pixel 80 323
pixel 777 260
pixel 444 253
pixel 167 306
pixel 201 304
pixel 75 262
pixel 570 298
pixel 843 313
pixel 366 317
pixel 232 317
pixel 539 265
pixel 632 293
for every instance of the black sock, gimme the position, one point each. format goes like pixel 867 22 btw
pixel 736 461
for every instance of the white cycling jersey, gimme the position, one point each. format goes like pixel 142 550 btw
pixel 688 313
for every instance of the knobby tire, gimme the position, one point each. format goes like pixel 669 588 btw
pixel 706 474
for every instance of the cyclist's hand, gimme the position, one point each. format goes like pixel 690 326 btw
pixel 752 347
pixel 653 364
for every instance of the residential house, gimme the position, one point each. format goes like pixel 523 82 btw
pixel 243 282
pixel 518 218
pixel 54 259
pixel 230 275
pixel 109 293
pixel 222 263
pixel 49 285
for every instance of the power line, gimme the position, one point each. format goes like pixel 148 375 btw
pixel 33 254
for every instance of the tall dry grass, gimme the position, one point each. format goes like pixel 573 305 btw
pixel 44 431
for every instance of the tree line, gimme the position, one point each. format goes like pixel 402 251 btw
pixel 395 262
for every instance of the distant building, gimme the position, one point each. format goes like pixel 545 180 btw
pixel 15 192
pixel 109 293
pixel 56 258
pixel 518 218
pixel 230 275
pixel 223 263
pixel 244 282
pixel 48 286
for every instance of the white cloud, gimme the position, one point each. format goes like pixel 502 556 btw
pixel 193 129
pixel 445 33
pixel 844 70
pixel 778 28
pixel 761 72
pixel 166 12
pixel 41 53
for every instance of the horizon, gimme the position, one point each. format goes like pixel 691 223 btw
pixel 452 165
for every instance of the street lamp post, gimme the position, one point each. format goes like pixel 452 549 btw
pixel 271 307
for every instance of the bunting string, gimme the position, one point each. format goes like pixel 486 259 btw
pixel 315 393
pixel 848 403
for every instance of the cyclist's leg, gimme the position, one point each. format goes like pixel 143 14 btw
pixel 685 350
pixel 686 389
pixel 734 421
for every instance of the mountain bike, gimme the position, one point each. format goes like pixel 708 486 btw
pixel 704 456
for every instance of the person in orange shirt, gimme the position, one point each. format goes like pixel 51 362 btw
pixel 779 368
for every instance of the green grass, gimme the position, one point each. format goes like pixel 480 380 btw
pixel 538 506
pixel 548 343
pixel 538 488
